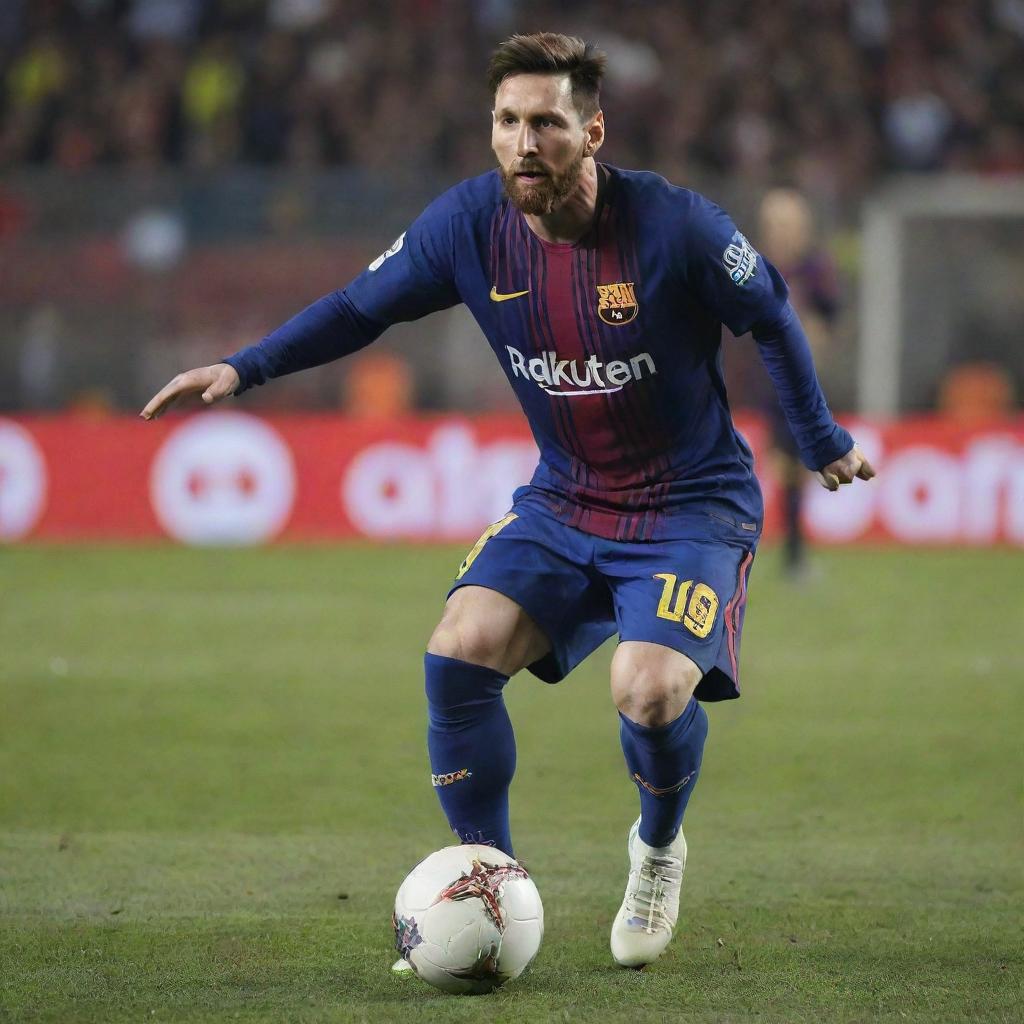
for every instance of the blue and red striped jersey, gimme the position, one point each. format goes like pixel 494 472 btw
pixel 611 344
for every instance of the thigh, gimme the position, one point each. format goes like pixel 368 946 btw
pixel 545 568
pixel 486 628
pixel 687 595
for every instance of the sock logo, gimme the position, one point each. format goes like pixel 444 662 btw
pixel 449 777
pixel 661 791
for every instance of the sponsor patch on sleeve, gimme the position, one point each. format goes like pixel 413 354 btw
pixel 740 259
pixel 396 246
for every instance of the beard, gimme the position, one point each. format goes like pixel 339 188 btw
pixel 546 194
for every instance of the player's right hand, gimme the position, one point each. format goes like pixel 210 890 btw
pixel 212 382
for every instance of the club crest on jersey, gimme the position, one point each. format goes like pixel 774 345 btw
pixel 740 259
pixel 616 303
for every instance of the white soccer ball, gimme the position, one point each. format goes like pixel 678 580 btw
pixel 468 919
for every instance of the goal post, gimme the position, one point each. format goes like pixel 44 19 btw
pixel 942 280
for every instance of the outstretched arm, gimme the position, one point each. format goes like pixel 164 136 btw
pixel 330 328
pixel 412 278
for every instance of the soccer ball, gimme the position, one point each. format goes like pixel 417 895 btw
pixel 468 919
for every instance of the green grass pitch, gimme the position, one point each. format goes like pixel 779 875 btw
pixel 213 779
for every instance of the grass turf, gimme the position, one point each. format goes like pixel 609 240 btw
pixel 213 779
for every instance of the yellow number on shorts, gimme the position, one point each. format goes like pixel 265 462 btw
pixel 667 609
pixel 696 610
pixel 484 538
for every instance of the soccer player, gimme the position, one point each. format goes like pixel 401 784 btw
pixel 602 293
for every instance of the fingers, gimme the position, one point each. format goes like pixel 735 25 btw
pixel 857 467
pixel 850 467
pixel 163 399
pixel 212 382
pixel 837 473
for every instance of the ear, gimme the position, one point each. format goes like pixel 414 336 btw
pixel 595 134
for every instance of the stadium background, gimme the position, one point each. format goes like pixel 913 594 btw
pixel 185 802
pixel 180 176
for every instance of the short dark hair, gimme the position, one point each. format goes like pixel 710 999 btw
pixel 548 53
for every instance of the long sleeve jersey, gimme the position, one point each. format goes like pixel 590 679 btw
pixel 612 345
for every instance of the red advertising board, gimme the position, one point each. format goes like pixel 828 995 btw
pixel 232 478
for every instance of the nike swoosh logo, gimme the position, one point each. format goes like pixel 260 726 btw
pixel 658 791
pixel 496 296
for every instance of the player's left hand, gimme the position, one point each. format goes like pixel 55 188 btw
pixel 845 470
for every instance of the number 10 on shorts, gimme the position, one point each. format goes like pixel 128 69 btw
pixel 693 606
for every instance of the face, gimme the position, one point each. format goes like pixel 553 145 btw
pixel 540 140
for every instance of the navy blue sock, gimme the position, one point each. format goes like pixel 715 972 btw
pixel 472 748
pixel 664 761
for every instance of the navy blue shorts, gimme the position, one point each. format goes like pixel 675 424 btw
pixel 687 594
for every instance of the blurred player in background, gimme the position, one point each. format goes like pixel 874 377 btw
pixel 602 293
pixel 786 239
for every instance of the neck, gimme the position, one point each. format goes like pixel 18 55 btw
pixel 572 220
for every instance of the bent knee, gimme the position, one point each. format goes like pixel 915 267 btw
pixel 652 687
pixel 652 701
pixel 455 637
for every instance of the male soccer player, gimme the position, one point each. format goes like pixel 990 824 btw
pixel 602 293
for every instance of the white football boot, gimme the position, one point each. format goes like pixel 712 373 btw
pixel 645 921
pixel 401 966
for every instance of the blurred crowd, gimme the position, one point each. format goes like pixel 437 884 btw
pixel 825 94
